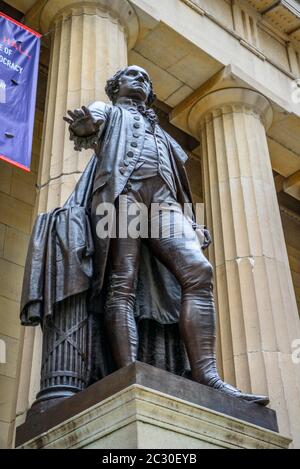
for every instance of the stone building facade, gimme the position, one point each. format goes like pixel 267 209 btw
pixel 225 73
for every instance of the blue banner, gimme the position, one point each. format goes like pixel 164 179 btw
pixel 19 60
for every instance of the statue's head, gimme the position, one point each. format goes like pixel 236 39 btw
pixel 131 82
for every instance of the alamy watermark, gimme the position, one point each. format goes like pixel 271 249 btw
pixel 160 220
pixel 2 351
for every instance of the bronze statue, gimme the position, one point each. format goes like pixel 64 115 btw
pixel 122 281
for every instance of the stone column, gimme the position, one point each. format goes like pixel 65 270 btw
pixel 258 316
pixel 89 43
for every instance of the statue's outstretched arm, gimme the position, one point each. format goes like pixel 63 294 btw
pixel 86 126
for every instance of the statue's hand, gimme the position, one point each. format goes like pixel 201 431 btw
pixel 82 123
pixel 207 238
pixel 203 235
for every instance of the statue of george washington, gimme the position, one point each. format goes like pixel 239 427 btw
pixel 105 299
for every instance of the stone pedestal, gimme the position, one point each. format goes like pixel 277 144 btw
pixel 143 407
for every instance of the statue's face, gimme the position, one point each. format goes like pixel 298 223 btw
pixel 135 84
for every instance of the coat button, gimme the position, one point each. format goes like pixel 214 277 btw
pixel 122 170
pixel 136 125
pixel 134 144
pixel 136 135
pixel 137 118
pixel 127 188
pixel 126 163
pixel 130 154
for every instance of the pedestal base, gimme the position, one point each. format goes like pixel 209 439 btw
pixel 144 407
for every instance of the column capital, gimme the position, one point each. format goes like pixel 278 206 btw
pixel 228 86
pixel 230 100
pixel 121 10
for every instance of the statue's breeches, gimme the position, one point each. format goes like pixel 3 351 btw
pixel 176 245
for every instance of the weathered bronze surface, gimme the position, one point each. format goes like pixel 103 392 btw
pixel 149 299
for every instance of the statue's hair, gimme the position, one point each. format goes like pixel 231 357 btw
pixel 112 88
